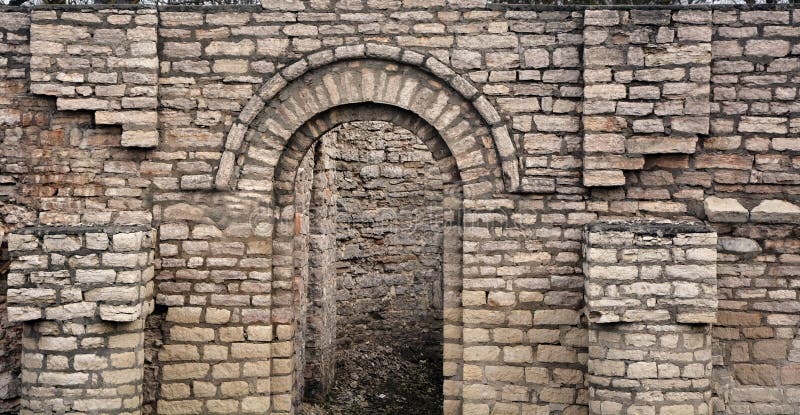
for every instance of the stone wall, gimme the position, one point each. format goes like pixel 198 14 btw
pixel 102 61
pixel 646 91
pixel 83 294
pixel 9 345
pixel 651 297
pixel 502 97
pixel 389 238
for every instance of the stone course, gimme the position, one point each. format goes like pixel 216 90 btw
pixel 542 120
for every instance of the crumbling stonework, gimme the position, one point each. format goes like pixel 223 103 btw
pixel 389 236
pixel 541 122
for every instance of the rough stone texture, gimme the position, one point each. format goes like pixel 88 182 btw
pixel 63 274
pixel 651 296
pixel 374 236
pixel 103 61
pixel 83 294
pixel 646 88
pixel 240 94
pixel 10 335
pixel 389 237
pixel 650 272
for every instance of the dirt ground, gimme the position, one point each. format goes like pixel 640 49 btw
pixel 383 380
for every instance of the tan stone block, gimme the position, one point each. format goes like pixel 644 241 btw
pixel 518 354
pixel 557 395
pixel 259 333
pixel 217 315
pixel 173 391
pixel 184 314
pixel 215 352
pixel 255 404
pixel 507 335
pixel 124 360
pixel 172 352
pixel 192 334
pixel 89 362
pixel 257 368
pixel 756 374
pixel 770 350
pixel 58 343
pixel 250 350
pixel 234 389
pixel 185 371
pixel 225 371
pixel 548 353
pixel 180 407
pixel 506 374
pixel 123 376
pixel 204 389
pixel 222 406
pixel 481 353
pixel 231 334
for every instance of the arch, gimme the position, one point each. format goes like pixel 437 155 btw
pixel 286 287
pixel 428 71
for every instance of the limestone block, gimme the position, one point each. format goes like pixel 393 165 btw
pixel 725 210
pixel 775 211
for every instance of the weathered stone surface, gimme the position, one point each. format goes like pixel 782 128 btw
pixel 581 114
pixel 725 210
pixel 775 211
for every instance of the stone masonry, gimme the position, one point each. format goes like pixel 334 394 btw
pixel 651 297
pixel 551 128
pixel 85 293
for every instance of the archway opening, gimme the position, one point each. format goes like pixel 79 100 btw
pixel 371 231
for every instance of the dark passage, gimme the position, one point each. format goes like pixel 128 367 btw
pixel 386 340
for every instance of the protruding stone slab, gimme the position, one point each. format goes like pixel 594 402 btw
pixel 725 210
pixel 775 211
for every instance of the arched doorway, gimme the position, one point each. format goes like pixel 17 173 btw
pixel 374 310
pixel 273 145
pixel 369 246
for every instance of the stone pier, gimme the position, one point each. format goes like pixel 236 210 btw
pixel 651 296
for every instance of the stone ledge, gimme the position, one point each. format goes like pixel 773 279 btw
pixel 730 210
pixel 725 210
pixel 658 227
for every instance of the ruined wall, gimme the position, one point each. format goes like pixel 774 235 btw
pixel 236 85
pixel 389 238
pixel 752 157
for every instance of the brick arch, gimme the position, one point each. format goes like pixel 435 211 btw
pixel 286 290
pixel 425 87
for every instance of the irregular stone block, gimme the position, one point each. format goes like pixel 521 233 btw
pixel 725 210
pixel 775 211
